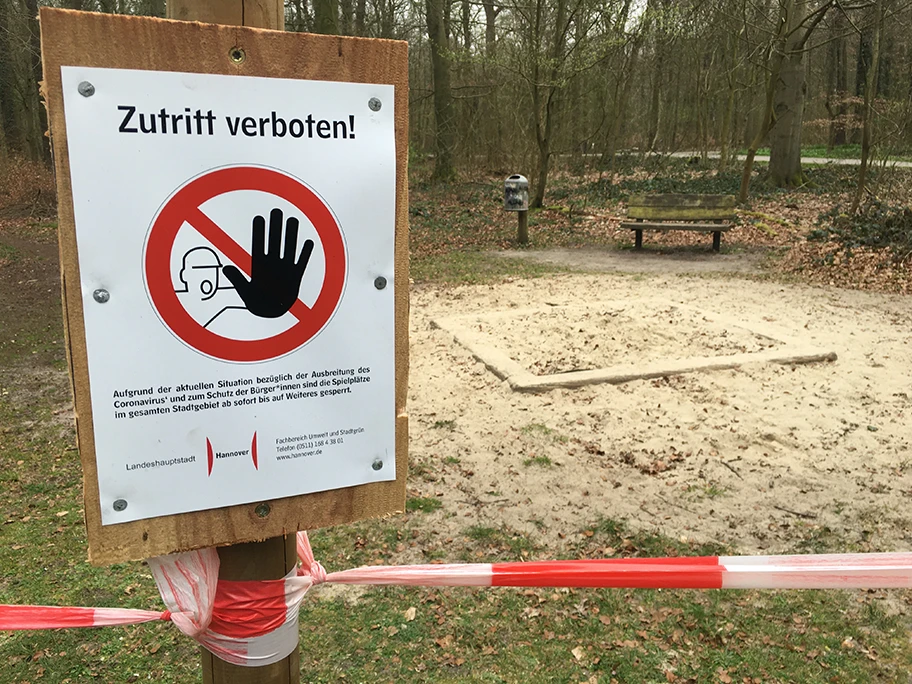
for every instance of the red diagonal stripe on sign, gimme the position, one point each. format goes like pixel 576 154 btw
pixel 223 242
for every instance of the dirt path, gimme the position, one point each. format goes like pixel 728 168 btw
pixel 630 261
pixel 804 160
pixel 764 458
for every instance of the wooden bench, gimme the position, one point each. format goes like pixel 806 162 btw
pixel 706 213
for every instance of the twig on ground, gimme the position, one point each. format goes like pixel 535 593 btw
pixel 809 516
pixel 731 468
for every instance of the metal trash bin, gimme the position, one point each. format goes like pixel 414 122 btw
pixel 516 193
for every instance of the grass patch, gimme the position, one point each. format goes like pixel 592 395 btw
pixel 424 504
pixel 444 424
pixel 500 543
pixel 540 461
pixel 539 430
pixel 836 152
pixel 8 253
pixel 709 490
pixel 422 470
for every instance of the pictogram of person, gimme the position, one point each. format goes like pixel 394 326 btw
pixel 269 293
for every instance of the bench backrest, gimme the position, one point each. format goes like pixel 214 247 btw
pixel 681 207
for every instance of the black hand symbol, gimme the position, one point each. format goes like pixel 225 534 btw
pixel 274 279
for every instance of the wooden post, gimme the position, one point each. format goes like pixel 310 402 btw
pixel 273 558
pixel 270 559
pixel 523 232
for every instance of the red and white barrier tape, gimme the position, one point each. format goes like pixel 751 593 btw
pixel 824 571
pixel 256 623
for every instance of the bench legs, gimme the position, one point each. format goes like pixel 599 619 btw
pixel 717 239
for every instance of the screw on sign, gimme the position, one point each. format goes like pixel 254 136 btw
pixel 197 288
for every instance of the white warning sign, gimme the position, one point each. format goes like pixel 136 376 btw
pixel 236 251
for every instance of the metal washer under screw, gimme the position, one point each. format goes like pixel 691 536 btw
pixel 237 55
pixel 262 510
pixel 120 505
pixel 380 282
pixel 374 104
pixel 101 296
pixel 377 464
pixel 86 89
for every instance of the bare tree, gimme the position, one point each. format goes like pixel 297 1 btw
pixel 798 22
pixel 444 168
pixel 868 111
pixel 20 71
pixel 326 16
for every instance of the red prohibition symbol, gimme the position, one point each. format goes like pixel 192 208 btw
pixel 184 207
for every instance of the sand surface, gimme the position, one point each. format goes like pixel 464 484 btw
pixel 764 458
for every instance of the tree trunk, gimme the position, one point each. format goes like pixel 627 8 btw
pixel 673 136
pixel 885 72
pixel 544 128
pixel 788 104
pixel 21 104
pixel 4 147
pixel 494 131
pixel 868 111
pixel 444 169
pixel 466 27
pixel 837 82
pixel 360 13
pixel 31 8
pixel 326 16
pixel 7 113
pixel 387 19
pixel 543 138
pixel 862 69
pixel 621 100
pixel 725 135
pixel 785 136
pixel 346 17
pixel 655 104
pixel 773 60
pixel 491 13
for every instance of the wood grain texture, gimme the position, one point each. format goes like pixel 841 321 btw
pixel 675 207
pixel 683 200
pixel 128 42
pixel 268 14
pixel 668 225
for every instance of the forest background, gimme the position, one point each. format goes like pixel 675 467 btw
pixel 530 84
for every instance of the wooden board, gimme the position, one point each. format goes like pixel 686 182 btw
pixel 112 41
pixel 674 207
pixel 668 225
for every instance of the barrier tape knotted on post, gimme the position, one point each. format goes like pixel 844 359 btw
pixel 251 623
pixel 255 623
